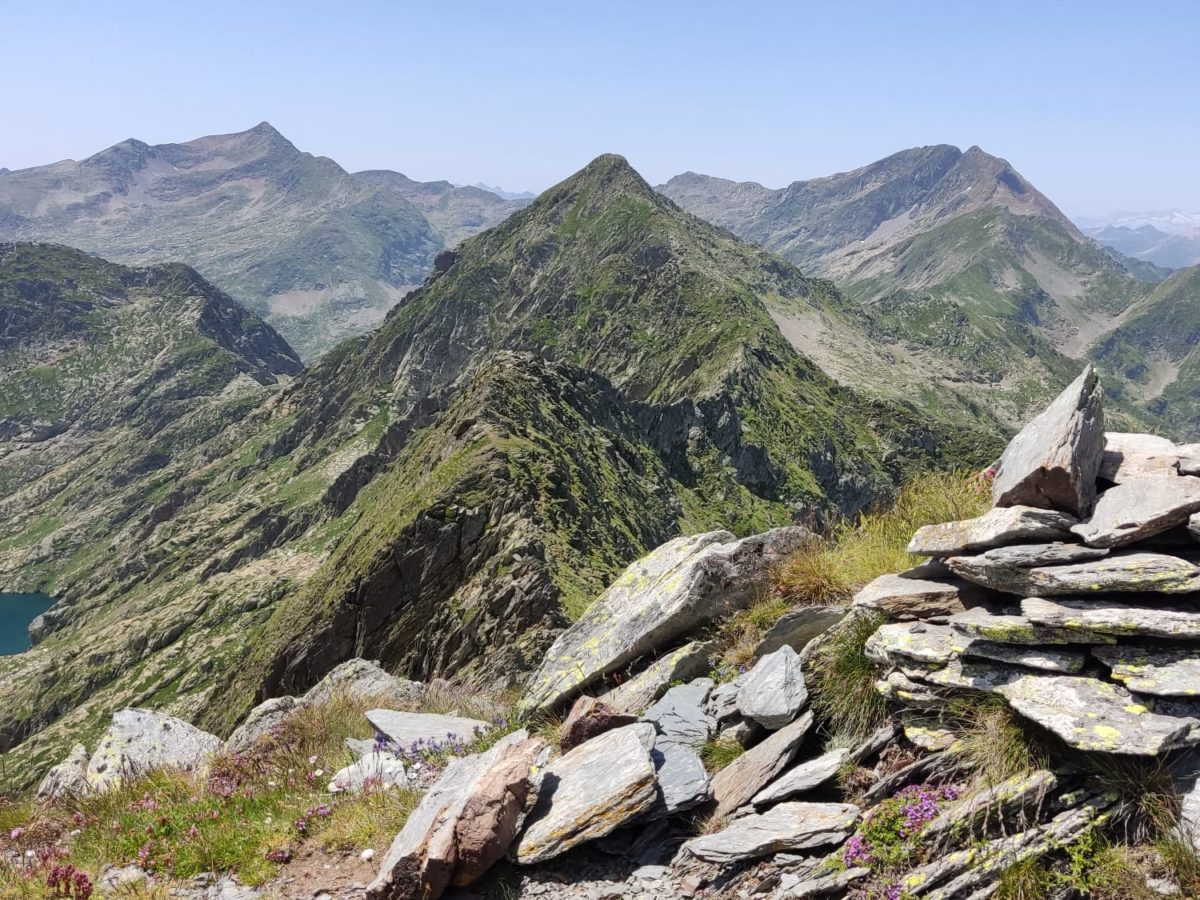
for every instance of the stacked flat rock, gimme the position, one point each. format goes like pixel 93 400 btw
pixel 1086 616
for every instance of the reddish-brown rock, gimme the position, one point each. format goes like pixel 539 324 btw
pixel 590 717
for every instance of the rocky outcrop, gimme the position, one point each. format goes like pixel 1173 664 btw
pixel 140 740
pixel 67 779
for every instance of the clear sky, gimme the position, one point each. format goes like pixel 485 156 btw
pixel 1097 103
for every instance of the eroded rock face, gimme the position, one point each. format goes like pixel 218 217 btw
pixel 1053 461
pixel 139 740
pixel 1125 572
pixel 1140 509
pixel 589 792
pixel 773 692
pixel 996 527
pixel 657 600
pixel 788 826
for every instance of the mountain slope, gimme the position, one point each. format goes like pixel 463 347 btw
pixel 319 253
pixel 597 373
pixel 959 270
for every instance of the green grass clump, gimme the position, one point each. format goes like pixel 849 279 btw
pixel 842 680
pixel 997 743
pixel 719 752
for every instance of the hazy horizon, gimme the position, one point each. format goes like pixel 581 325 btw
pixel 1094 104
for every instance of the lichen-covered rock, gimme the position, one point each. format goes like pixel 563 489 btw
pixel 1008 628
pixel 67 779
pixel 773 692
pixel 261 721
pixel 1128 456
pixel 896 596
pixel 788 826
pixel 1112 617
pixel 993 803
pixel 1090 714
pixel 998 526
pixel 831 885
pixel 140 740
pixel 920 641
pixel 656 601
pixel 900 688
pixel 682 664
pixel 803 777
pixel 970 675
pixel 927 732
pixel 380 769
pixel 1161 670
pixel 588 718
pixel 1124 572
pixel 1140 509
pixel 365 679
pixel 739 781
pixel 682 716
pixel 589 792
pixel 799 626
pixel 1053 461
pixel 409 730
pixel 1031 556
pixel 463 824
pixel 1046 659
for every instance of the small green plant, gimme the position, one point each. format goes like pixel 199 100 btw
pixel 1026 880
pixel 842 680
pixel 719 752
pixel 997 743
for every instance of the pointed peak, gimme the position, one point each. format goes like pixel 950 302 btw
pixel 609 172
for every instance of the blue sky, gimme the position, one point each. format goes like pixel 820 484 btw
pixel 1097 103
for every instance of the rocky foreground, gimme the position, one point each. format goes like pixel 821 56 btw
pixel 1068 605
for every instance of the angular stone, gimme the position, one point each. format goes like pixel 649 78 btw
pixel 377 770
pixel 896 596
pixel 1128 456
pixel 588 718
pixel 1015 629
pixel 140 740
pixel 1189 458
pixel 996 527
pixel 927 732
pixel 1157 670
pixel 683 781
pixel 1140 509
pixel 735 784
pixel 1186 772
pixel 364 678
pixel 797 627
pixel 463 824
pixel 788 826
pixel 1112 617
pixel 804 777
pixel 260 721
pixel 773 692
pixel 683 664
pixel 656 601
pixel 971 676
pixel 900 688
pixel 1053 461
pixel 932 569
pixel 410 731
pixel 993 803
pixel 680 715
pixel 1125 572
pixel 722 700
pixel 1045 659
pixel 832 884
pixel 900 641
pixel 66 780
pixel 1031 556
pixel 589 792
pixel 1094 715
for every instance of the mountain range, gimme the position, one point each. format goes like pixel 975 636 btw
pixel 1176 249
pixel 319 253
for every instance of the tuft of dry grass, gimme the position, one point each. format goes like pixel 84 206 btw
pixel 997 743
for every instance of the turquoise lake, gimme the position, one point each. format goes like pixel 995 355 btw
pixel 16 612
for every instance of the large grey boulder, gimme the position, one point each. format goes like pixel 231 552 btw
pixel 364 679
pixel 803 777
pixel 1112 617
pixel 682 664
pixel 140 740
pixel 67 779
pixel 682 716
pixel 896 596
pixel 788 826
pixel 411 731
pixel 656 602
pixel 1159 670
pixel 1053 461
pixel 261 721
pixel 590 792
pixel 1128 456
pixel 1009 628
pixel 465 823
pixel 1125 572
pixel 1140 509
pixel 1090 714
pixel 739 781
pixel 799 626
pixel 998 526
pixel 773 692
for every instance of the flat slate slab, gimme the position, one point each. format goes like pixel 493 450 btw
pixel 682 715
pixel 998 526
pixel 1053 461
pixel 896 596
pixel 1032 556
pixel 1128 455
pixel 788 826
pixel 683 781
pixel 804 777
pixel 1140 509
pixel 971 675
pixel 735 784
pixel 1090 714
pixel 682 664
pixel 896 642
pixel 1046 659
pixel 796 628
pixel 993 804
pixel 1112 617
pixel 773 692
pixel 1154 669
pixel 411 730
pixel 656 602
pixel 1016 629
pixel 1125 572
